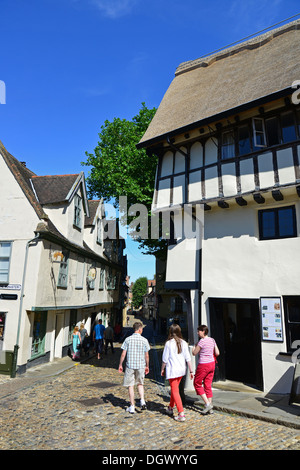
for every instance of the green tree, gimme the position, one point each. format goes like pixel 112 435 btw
pixel 118 168
pixel 139 289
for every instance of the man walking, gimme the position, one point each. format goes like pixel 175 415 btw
pixel 98 335
pixel 108 338
pixel 136 347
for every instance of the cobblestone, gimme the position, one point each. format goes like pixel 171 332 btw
pixel 84 409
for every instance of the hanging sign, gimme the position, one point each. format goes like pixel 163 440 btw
pixel 271 319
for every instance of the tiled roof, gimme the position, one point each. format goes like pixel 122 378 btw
pixel 23 176
pixel 53 189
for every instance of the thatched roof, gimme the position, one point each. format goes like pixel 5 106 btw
pixel 206 88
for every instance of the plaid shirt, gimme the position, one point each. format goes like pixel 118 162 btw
pixel 136 346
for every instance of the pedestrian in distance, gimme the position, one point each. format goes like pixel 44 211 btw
pixel 98 337
pixel 174 359
pixel 83 336
pixel 76 343
pixel 108 338
pixel 208 352
pixel 136 350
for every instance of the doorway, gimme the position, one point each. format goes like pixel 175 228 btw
pixel 235 325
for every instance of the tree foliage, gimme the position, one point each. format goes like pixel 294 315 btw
pixel 139 289
pixel 118 168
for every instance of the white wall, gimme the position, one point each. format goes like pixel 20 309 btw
pixel 236 264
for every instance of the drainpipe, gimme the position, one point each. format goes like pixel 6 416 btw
pixel 16 347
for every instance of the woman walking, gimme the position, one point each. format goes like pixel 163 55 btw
pixel 208 351
pixel 76 343
pixel 175 356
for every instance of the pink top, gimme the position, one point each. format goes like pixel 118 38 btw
pixel 206 353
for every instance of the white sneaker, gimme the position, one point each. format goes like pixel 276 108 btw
pixel 130 409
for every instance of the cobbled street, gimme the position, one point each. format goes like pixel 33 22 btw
pixel 84 409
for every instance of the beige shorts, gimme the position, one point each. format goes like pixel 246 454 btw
pixel 133 377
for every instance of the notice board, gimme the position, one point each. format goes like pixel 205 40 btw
pixel 271 319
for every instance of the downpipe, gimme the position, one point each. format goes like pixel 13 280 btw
pixel 16 347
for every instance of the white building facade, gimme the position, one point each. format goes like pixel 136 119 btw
pixel 227 135
pixel 54 270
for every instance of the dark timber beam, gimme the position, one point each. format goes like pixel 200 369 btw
pixel 277 195
pixel 258 198
pixel 241 201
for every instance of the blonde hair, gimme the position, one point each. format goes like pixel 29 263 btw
pixel 75 329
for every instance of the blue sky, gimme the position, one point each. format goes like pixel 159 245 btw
pixel 68 65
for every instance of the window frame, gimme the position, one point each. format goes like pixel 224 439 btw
pixel 7 272
pixel 64 265
pixel 289 324
pixel 38 343
pixel 77 221
pixel 276 211
pixel 259 132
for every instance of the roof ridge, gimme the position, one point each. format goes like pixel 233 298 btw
pixel 239 46
pixel 55 176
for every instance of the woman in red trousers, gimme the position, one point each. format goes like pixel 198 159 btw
pixel 208 351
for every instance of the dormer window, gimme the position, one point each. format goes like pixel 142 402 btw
pixel 99 232
pixel 77 211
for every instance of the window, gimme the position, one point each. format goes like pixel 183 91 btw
pixel 259 132
pixel 244 140
pixel 288 127
pixel 77 211
pixel 39 333
pixel 277 223
pixel 63 271
pixel 292 320
pixel 80 273
pixel 102 278
pixel 228 145
pixel 5 251
pixel 2 328
pixel 272 131
pixel 99 232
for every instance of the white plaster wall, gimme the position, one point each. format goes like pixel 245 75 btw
pixel 236 264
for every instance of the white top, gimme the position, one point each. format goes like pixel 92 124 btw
pixel 175 363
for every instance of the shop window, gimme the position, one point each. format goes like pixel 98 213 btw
pixel 277 223
pixel 292 321
pixel 39 333
pixel 2 329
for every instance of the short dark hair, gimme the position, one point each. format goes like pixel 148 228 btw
pixel 203 328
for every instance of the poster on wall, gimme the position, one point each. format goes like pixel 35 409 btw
pixel 271 319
